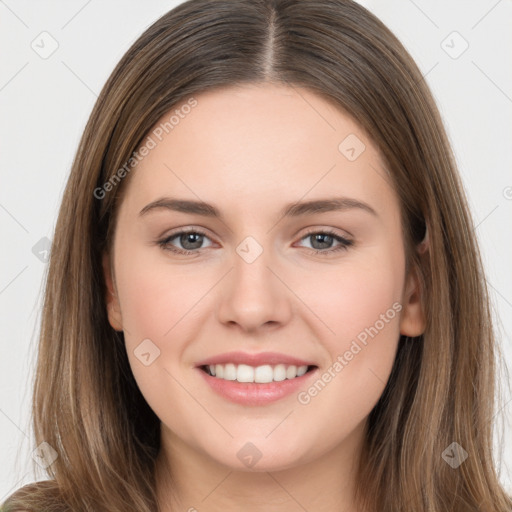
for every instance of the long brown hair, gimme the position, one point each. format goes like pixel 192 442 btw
pixel 86 403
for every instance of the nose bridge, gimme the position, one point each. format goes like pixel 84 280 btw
pixel 251 277
pixel 252 295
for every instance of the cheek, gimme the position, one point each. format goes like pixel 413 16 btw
pixel 361 303
pixel 155 297
pixel 352 297
pixel 156 305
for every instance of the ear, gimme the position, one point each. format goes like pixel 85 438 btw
pixel 412 321
pixel 111 300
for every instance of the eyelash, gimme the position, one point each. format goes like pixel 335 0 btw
pixel 344 243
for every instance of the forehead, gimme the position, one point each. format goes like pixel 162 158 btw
pixel 251 142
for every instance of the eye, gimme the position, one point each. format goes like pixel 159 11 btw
pixel 323 241
pixel 191 240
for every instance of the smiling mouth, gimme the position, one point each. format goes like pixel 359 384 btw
pixel 263 374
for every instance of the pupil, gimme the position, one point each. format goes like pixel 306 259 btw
pixel 188 237
pixel 322 238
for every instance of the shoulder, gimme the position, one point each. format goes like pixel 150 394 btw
pixel 35 497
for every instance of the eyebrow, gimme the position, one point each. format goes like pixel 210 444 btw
pixel 290 210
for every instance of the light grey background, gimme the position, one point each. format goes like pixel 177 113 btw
pixel 45 103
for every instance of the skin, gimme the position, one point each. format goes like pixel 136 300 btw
pixel 249 150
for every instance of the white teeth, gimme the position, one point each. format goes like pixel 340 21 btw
pixel 245 373
pixel 263 374
pixel 301 370
pixel 291 372
pixel 229 372
pixel 260 374
pixel 280 372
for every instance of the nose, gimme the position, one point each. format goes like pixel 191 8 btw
pixel 253 295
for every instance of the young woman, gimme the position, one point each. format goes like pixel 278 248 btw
pixel 264 291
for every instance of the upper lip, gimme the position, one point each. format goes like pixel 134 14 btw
pixel 259 359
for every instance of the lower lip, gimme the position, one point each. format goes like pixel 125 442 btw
pixel 251 393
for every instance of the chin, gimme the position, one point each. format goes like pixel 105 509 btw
pixel 255 456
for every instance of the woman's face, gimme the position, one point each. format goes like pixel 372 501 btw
pixel 261 294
